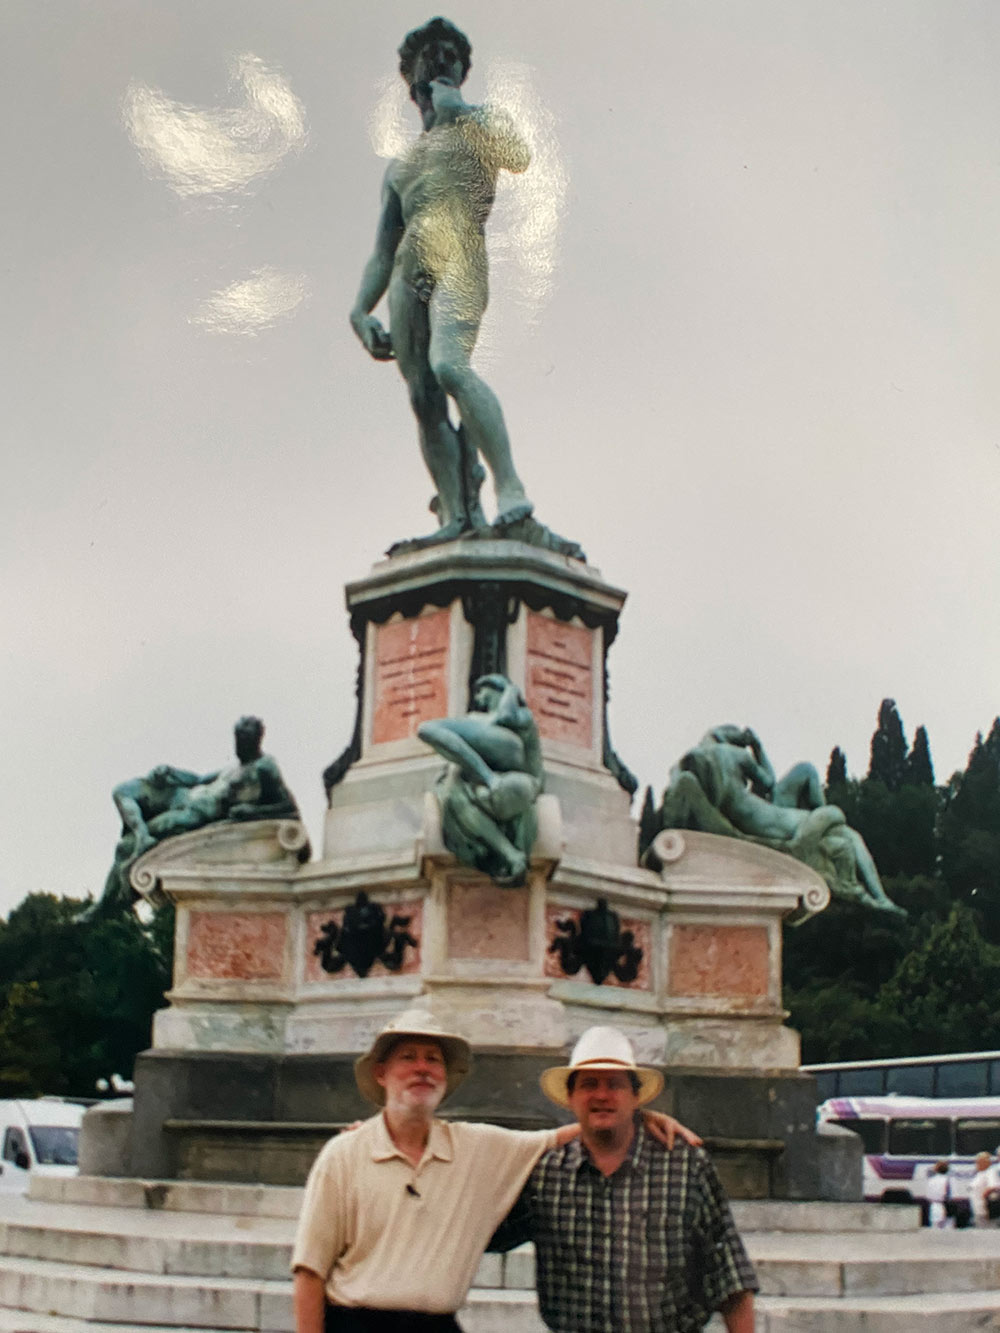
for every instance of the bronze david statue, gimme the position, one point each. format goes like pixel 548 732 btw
pixel 429 261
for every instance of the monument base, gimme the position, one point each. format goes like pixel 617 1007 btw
pixel 262 1119
pixel 284 972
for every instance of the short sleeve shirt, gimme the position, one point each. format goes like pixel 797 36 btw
pixel 389 1235
pixel 651 1248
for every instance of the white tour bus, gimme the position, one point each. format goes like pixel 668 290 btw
pixel 903 1137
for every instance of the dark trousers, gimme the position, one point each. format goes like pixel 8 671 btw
pixel 361 1319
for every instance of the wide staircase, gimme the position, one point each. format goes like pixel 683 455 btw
pixel 93 1255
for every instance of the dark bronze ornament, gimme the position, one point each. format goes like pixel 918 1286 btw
pixel 364 939
pixel 598 943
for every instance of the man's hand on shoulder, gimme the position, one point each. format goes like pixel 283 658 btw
pixel 665 1129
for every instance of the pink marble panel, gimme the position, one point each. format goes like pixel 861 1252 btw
pixel 559 679
pixel 236 946
pixel 411 675
pixel 640 939
pixel 728 961
pixel 315 921
pixel 485 921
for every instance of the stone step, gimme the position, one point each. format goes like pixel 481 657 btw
pixel 25 1321
pixel 185 1196
pixel 971 1312
pixel 803 1216
pixel 830 1264
pixel 192 1196
pixel 501 1312
pixel 139 1299
pixel 836 1267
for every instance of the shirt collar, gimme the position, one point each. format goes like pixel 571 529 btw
pixel 439 1143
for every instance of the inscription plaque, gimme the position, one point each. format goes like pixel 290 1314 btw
pixel 411 675
pixel 560 679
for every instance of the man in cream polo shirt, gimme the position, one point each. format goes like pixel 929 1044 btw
pixel 397 1214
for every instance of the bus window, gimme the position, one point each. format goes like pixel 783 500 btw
pixel 995 1077
pixel 920 1138
pixel 976 1136
pixel 861 1083
pixel 911 1080
pixel 967 1079
pixel 871 1132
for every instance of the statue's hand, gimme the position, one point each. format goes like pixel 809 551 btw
pixel 374 337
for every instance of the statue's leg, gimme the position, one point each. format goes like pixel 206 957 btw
pixel 181 820
pixel 454 320
pixel 480 826
pixel 439 443
pixel 800 789
pixel 477 747
pixel 867 873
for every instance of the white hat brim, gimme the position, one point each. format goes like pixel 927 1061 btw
pixel 553 1081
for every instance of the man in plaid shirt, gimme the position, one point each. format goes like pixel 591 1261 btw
pixel 630 1238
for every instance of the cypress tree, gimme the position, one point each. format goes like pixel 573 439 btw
pixel 649 824
pixel 888 753
pixel 836 769
pixel 918 771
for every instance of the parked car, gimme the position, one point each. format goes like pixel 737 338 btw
pixel 39 1136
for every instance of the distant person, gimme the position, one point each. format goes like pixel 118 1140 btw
pixel 938 1196
pixel 984 1190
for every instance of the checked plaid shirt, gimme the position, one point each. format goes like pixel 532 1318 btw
pixel 649 1249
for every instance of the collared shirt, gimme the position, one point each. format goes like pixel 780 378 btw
pixel 651 1248
pixel 384 1233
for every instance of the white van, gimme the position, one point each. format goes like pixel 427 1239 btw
pixel 39 1136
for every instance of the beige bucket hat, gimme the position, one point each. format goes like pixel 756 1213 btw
pixel 412 1023
pixel 605 1049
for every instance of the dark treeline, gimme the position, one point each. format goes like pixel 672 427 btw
pixel 77 997
pixel 858 985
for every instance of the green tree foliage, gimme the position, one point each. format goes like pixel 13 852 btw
pixel 76 998
pixel 648 824
pixel 947 989
pixel 918 770
pixel 970 832
pixel 858 987
pixel 836 769
pixel 888 752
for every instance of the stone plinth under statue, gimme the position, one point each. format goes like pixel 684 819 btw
pixel 284 971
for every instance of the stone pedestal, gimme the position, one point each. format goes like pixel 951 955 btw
pixel 285 969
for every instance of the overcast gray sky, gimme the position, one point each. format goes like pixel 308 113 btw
pixel 745 329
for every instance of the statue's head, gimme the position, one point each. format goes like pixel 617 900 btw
pixel 488 692
pixel 249 733
pixel 437 50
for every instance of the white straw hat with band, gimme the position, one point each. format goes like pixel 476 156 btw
pixel 420 1024
pixel 605 1049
